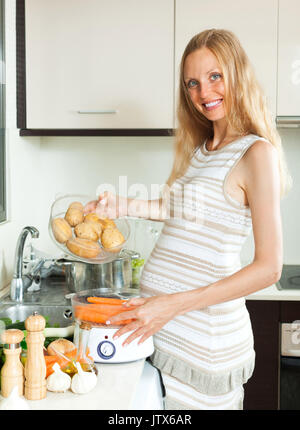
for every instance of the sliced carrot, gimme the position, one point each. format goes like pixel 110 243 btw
pixel 105 300
pixel 63 362
pixel 50 360
pixel 71 354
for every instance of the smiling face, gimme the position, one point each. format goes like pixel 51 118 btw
pixel 204 82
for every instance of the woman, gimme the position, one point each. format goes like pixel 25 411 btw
pixel 193 287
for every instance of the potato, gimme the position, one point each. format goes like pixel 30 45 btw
pixel 74 216
pixel 106 223
pixel 96 226
pixel 92 217
pixel 112 238
pixel 61 230
pixel 85 230
pixel 76 205
pixel 83 247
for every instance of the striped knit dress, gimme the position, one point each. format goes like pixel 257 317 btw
pixel 205 356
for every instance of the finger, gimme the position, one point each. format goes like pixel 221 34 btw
pixel 121 317
pixel 102 195
pixel 90 206
pixel 145 337
pixel 125 329
pixel 102 201
pixel 102 213
pixel 137 333
pixel 136 301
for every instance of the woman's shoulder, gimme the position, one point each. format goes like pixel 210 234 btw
pixel 260 164
pixel 260 150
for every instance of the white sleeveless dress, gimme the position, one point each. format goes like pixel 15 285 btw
pixel 205 356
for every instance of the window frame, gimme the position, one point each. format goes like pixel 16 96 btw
pixel 3 210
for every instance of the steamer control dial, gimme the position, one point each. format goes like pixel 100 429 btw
pixel 106 349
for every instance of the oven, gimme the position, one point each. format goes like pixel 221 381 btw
pixel 289 391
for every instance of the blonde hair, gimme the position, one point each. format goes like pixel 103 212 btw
pixel 245 104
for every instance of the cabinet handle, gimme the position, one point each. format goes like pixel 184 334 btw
pixel 288 121
pixel 106 111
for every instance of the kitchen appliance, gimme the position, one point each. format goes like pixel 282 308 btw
pixel 106 255
pixel 150 393
pixel 290 367
pixel 290 278
pixel 116 274
pixel 102 347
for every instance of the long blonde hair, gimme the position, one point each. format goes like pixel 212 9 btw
pixel 245 104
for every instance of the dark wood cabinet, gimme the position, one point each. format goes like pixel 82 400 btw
pixel 262 389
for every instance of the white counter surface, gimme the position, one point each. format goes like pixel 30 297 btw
pixel 115 390
pixel 272 293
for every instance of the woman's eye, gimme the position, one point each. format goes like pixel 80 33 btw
pixel 215 76
pixel 192 83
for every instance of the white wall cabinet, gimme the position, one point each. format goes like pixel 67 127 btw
pixel 254 23
pixel 109 65
pixel 110 60
pixel 288 101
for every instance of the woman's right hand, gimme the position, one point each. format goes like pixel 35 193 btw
pixel 108 205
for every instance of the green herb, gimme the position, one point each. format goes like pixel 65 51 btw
pixel 7 321
pixel 137 262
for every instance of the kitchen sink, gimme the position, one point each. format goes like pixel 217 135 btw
pixel 56 315
pixel 52 301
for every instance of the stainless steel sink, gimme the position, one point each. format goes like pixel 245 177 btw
pixel 51 301
pixel 56 315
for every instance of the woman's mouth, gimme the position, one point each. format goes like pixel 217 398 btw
pixel 213 104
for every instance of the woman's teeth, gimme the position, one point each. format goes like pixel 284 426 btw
pixel 212 104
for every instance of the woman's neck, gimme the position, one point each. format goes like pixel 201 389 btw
pixel 222 135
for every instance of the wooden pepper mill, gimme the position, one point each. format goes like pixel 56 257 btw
pixel 12 372
pixel 35 366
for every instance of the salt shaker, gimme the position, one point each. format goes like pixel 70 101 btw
pixel 12 372
pixel 35 366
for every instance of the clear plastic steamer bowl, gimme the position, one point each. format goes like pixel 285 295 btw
pixel 89 312
pixel 106 255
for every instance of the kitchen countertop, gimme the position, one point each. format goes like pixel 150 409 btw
pixel 272 293
pixel 115 390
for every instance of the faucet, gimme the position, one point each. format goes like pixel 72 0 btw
pixel 19 282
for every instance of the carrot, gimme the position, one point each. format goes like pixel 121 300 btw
pixel 86 313
pixel 50 360
pixel 105 300
pixel 63 362
pixel 105 309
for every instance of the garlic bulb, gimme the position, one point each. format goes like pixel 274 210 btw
pixel 83 382
pixel 14 402
pixel 58 381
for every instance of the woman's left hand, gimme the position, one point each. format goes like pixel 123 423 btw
pixel 150 315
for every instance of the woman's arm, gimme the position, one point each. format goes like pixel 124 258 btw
pixel 262 185
pixel 113 206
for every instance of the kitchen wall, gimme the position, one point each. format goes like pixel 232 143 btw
pixel 22 163
pixel 41 168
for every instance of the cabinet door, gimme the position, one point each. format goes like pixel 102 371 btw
pixel 289 58
pixel 261 391
pixel 254 23
pixel 110 60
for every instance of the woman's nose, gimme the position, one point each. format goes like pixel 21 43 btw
pixel 203 90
